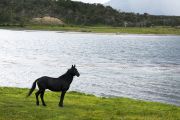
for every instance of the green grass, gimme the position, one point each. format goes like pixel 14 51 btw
pixel 117 30
pixel 103 29
pixel 15 106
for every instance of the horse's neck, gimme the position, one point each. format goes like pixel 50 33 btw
pixel 68 77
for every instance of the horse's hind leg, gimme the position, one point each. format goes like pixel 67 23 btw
pixel 37 94
pixel 42 97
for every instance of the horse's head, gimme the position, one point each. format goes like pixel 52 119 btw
pixel 74 71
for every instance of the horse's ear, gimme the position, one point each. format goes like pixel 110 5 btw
pixel 74 66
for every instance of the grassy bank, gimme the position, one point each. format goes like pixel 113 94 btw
pixel 102 29
pixel 14 106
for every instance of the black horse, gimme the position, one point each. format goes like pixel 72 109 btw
pixel 60 84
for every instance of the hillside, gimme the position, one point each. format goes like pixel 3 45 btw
pixel 21 12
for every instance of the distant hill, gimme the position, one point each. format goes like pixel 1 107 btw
pixel 154 7
pixel 21 12
pixel 70 12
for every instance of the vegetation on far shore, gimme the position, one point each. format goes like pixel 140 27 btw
pixel 100 29
pixel 67 15
pixel 77 13
pixel 77 106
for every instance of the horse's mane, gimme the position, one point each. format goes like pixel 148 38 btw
pixel 65 74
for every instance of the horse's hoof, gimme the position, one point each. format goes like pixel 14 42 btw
pixel 37 103
pixel 44 105
pixel 61 106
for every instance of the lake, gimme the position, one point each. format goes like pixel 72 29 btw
pixel 145 67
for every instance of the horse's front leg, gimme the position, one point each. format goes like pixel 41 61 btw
pixel 62 98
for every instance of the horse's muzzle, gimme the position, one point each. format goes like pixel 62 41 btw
pixel 78 75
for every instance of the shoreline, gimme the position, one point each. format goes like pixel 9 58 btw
pixel 97 33
pixel 159 31
pixel 98 96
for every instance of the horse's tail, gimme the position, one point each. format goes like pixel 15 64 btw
pixel 32 88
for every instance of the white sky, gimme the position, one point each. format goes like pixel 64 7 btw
pixel 93 1
pixel 157 7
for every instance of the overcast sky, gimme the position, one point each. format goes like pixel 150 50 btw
pixel 93 1
pixel 156 7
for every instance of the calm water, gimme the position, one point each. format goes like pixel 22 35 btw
pixel 136 66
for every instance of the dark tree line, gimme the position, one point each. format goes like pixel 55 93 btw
pixel 22 11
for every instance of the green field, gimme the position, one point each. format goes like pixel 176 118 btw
pixel 103 29
pixel 15 106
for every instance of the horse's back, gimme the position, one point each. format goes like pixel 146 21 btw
pixel 50 83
